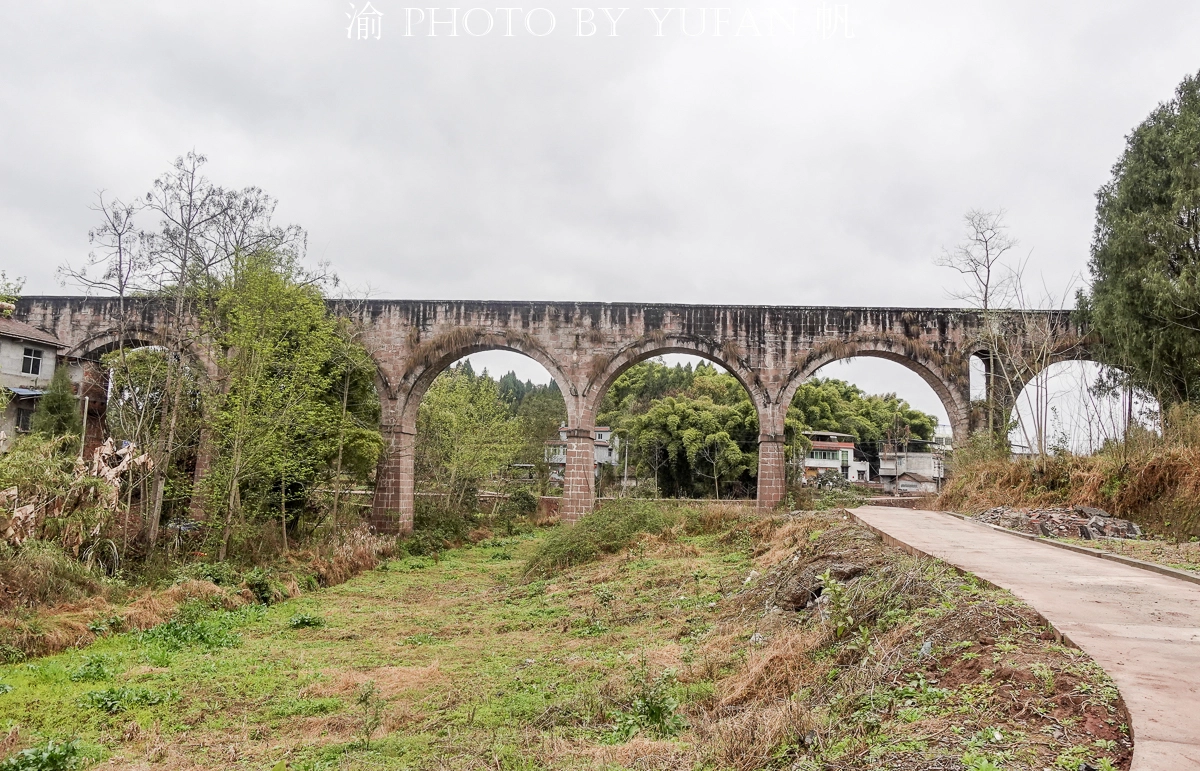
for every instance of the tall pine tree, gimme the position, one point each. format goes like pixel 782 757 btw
pixel 58 411
pixel 1145 264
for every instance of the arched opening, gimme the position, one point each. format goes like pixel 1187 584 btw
pixel 872 421
pixel 978 368
pixel 1078 407
pixel 487 442
pixel 684 425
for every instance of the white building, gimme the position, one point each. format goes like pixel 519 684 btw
pixel 903 471
pixel 28 357
pixel 606 450
pixel 832 451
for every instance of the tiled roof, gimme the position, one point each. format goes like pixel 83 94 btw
pixel 22 331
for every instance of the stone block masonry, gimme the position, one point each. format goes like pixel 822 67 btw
pixel 771 350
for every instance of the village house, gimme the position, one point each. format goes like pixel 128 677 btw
pixel 917 468
pixel 28 360
pixel 28 357
pixel 832 451
pixel 606 450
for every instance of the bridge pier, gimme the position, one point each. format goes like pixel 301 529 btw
pixel 772 470
pixel 392 506
pixel 579 477
pixel 203 462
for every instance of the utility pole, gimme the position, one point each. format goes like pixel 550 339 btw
pixel 625 476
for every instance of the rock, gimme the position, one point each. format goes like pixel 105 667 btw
pixel 1078 522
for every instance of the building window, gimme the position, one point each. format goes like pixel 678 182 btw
pixel 24 419
pixel 31 362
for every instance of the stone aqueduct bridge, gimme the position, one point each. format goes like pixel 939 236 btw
pixel 585 346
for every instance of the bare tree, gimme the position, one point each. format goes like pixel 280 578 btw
pixel 988 282
pixel 187 204
pixel 117 264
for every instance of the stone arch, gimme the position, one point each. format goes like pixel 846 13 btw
pixel 1006 379
pixel 395 487
pixel 605 370
pixel 1080 355
pixel 95 346
pixel 952 388
pixel 425 365
pixel 110 340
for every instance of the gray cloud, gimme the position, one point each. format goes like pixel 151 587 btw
pixel 787 170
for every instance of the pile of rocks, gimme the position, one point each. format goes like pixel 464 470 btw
pixel 1076 522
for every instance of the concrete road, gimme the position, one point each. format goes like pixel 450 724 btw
pixel 1142 627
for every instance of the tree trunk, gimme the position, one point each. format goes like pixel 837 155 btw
pixel 283 511
pixel 337 471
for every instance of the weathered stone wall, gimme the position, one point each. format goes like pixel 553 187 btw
pixel 586 346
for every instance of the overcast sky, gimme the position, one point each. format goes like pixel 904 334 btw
pixel 825 161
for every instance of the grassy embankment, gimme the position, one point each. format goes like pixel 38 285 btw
pixel 1150 479
pixel 51 601
pixel 642 638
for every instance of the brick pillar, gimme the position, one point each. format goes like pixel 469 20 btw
pixel 579 478
pixel 772 470
pixel 392 507
pixel 203 463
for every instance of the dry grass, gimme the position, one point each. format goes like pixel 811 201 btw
pixel 54 603
pixel 797 684
pixel 391 681
pixel 1150 480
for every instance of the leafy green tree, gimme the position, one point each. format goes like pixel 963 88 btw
pixel 57 412
pixel 1145 263
pixel 825 404
pixel 277 420
pixel 696 430
pixel 686 441
pixel 541 412
pixel 465 433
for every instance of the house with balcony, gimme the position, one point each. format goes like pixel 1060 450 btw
pixel 606 451
pixel 832 451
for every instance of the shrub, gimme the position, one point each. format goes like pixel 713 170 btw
pixel 51 756
pixel 609 529
pixel 194 624
pixel 437 525
pixel 523 502
pixel 92 669
pixel 41 573
pixel 219 573
pixel 652 709
pixel 305 620
pixel 115 700
pixel 263 586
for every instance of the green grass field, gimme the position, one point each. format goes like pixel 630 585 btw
pixel 620 650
